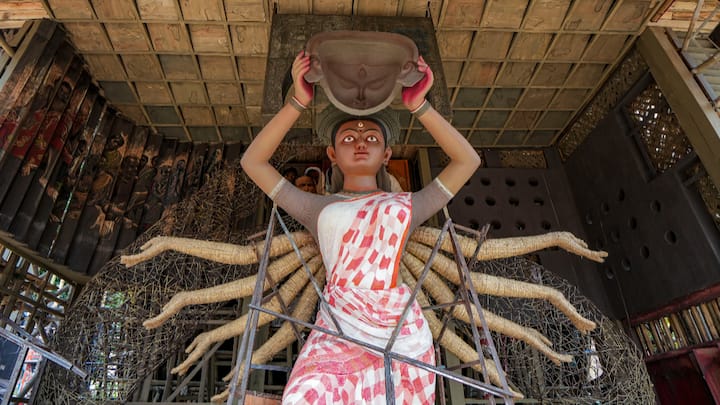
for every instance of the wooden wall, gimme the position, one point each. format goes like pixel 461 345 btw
pixel 79 180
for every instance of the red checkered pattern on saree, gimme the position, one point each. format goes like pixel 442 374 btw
pixel 370 251
pixel 330 370
pixel 361 290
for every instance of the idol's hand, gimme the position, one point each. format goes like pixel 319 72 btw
pixel 573 244
pixel 303 89
pixel 150 249
pixel 414 96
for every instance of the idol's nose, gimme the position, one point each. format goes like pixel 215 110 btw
pixel 361 95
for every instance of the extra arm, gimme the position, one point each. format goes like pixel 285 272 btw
pixel 220 252
pixel 216 251
pixel 509 247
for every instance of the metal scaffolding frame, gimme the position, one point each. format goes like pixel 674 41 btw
pixel 467 296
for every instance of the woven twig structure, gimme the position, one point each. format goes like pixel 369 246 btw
pixel 118 353
pixel 103 331
pixel 607 367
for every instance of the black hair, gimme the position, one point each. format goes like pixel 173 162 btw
pixel 289 170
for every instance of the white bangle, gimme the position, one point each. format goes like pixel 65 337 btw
pixel 421 108
pixel 296 104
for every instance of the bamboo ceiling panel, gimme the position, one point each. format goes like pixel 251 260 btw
pixel 678 15
pixel 517 71
pixel 14 13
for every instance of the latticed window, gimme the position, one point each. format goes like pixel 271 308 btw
pixel 666 144
pixel 525 159
pixel 659 129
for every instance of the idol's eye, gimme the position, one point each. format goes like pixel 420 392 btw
pixel 348 139
pixel 372 138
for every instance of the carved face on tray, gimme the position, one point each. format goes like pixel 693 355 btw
pixel 361 71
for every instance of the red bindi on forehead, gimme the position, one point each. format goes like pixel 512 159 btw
pixel 360 126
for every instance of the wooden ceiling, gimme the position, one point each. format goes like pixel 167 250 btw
pixel 517 70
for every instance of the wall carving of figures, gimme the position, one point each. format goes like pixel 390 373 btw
pixel 80 182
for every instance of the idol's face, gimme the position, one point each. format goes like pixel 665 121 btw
pixel 359 148
pixel 361 86
pixel 362 72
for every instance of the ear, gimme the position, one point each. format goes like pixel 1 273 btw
pixel 387 155
pixel 330 153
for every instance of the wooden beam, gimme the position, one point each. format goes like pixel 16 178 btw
pixel 21 249
pixel 6 47
pixel 678 304
pixel 677 25
pixel 206 357
pixel 661 10
pixel 22 11
pixel 695 112
pixel 20 5
pixel 48 10
pixel 11 24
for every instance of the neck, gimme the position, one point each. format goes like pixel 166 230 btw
pixel 360 183
pixel 358 193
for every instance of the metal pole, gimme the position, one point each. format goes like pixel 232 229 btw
pixel 15 376
pixel 248 340
pixel 313 280
pixel 414 294
pixel 469 287
pixel 48 354
pixel 396 356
